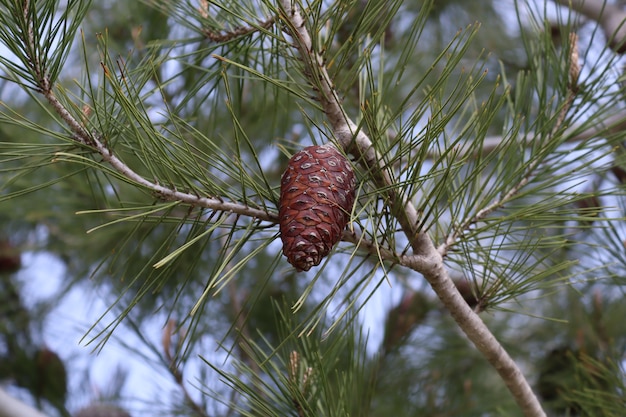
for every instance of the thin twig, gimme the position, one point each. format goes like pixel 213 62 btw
pixel 225 36
pixel 212 203
pixel 174 369
pixel 602 127
pixel 239 31
pixel 426 259
pixel 574 72
pixel 369 246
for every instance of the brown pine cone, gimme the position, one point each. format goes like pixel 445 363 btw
pixel 317 193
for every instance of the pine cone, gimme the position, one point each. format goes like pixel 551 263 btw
pixel 316 198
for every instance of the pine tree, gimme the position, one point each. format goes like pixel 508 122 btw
pixel 482 268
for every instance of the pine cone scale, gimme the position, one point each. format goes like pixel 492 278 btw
pixel 316 198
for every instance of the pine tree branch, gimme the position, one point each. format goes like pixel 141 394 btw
pixel 352 139
pixel 12 407
pixel 572 89
pixel 426 259
pixel 169 354
pixel 94 141
pixel 611 18
pixel 170 194
pixel 226 36
pixel 602 126
pixel 370 247
pixel 610 125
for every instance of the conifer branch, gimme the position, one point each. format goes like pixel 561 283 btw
pixel 610 125
pixel 352 139
pixel 225 36
pixel 610 17
pixel 572 89
pixel 606 126
pixel 370 247
pixel 426 259
pixel 169 353
pixel 93 140
pixel 257 376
